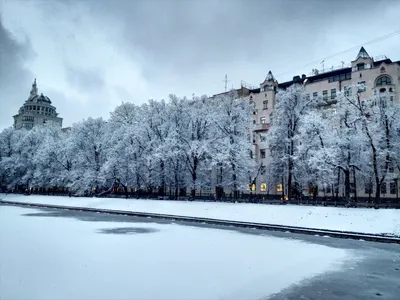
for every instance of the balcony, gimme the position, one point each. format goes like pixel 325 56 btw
pixel 261 127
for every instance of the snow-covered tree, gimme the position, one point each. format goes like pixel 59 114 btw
pixel 283 136
pixel 232 123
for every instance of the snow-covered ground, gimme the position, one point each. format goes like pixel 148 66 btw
pixel 53 258
pixel 349 219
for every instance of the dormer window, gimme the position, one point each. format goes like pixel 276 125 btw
pixel 360 66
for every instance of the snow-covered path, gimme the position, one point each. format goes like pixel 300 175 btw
pixel 90 256
pixel 349 219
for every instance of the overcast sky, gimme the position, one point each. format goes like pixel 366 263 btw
pixel 90 55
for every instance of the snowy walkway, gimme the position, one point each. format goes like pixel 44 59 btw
pixel 382 221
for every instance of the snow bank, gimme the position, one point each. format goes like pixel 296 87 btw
pixel 381 221
pixel 64 258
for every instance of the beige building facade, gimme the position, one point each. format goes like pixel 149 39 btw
pixel 367 75
pixel 38 109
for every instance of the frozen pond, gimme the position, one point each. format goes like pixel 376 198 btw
pixel 43 256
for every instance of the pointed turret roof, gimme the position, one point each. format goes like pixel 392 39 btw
pixel 362 54
pixel 270 77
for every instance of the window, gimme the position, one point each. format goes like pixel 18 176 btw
pixel 262 170
pixel 279 188
pixel 348 76
pixel 262 153
pixel 265 104
pixel 251 154
pixel 325 94
pixel 392 188
pixel 361 86
pixel 361 66
pixel 315 94
pixel 347 91
pixel 266 95
pixel 263 187
pixel 383 188
pixel 391 167
pixel 262 120
pixel 368 188
pixel 255 111
pixel 333 93
pixel 383 80
pixel 254 122
pixel 263 138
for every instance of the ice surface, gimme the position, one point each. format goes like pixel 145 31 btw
pixel 65 258
pixel 348 219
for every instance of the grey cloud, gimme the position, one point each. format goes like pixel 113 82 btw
pixel 187 46
pixel 85 80
pixel 15 80
pixel 194 35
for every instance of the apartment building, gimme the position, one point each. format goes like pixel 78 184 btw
pixel 38 109
pixel 369 75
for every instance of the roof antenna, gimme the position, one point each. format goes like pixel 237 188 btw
pixel 226 81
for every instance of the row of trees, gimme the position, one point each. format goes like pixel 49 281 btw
pixel 177 144
pixel 341 146
pixel 201 143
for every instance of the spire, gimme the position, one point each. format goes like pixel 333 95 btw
pixel 34 89
pixel 362 54
pixel 270 77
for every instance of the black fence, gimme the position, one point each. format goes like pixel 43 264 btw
pixel 229 198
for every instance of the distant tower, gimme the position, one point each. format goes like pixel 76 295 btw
pixel 38 109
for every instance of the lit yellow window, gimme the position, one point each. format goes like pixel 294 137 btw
pixel 279 188
pixel 248 187
pixel 263 187
pixel 253 187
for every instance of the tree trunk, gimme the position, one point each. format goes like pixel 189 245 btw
pixel 162 189
pixel 347 185
pixel 355 185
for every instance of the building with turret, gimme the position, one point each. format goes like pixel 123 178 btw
pixel 365 75
pixel 38 109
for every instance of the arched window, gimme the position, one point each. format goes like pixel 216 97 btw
pixel 384 80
